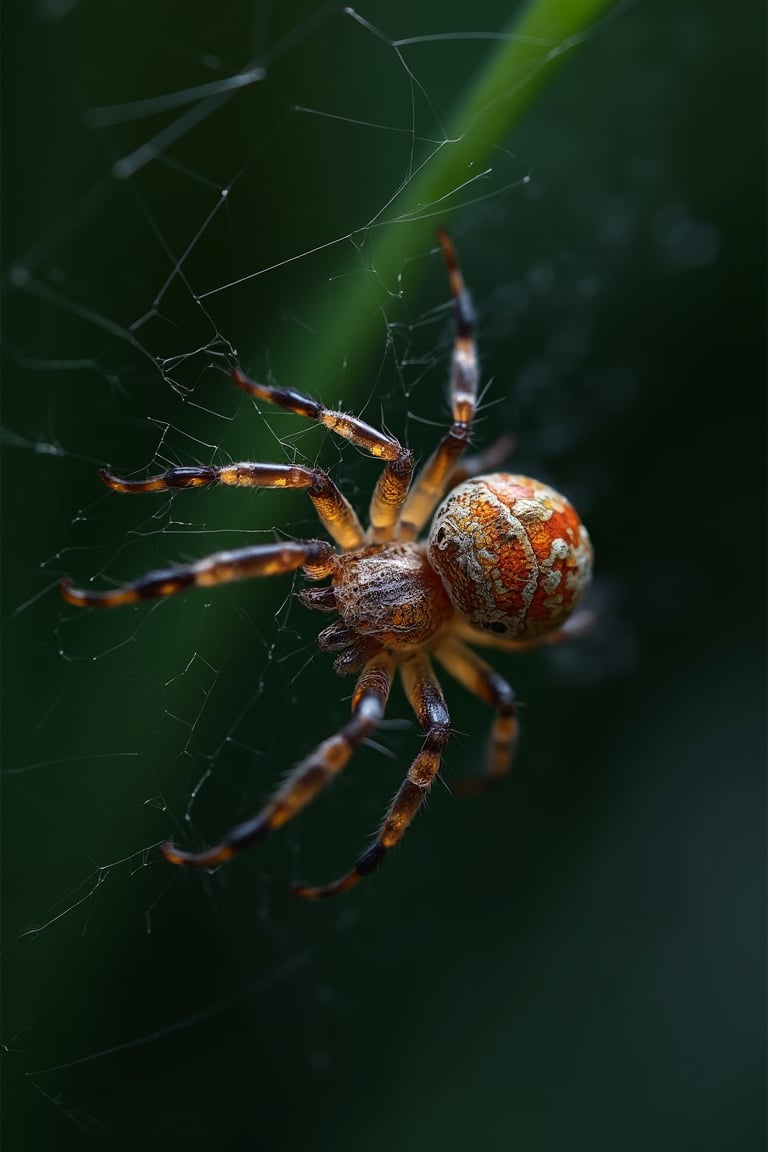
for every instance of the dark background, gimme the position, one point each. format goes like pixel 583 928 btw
pixel 577 963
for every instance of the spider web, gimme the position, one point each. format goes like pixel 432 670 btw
pixel 226 189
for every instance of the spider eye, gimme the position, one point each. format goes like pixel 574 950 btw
pixel 512 554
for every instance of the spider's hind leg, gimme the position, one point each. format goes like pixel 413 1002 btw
pixel 479 678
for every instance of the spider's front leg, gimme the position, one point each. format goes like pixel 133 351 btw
pixel 426 698
pixel 435 476
pixel 335 511
pixel 392 488
pixel 316 557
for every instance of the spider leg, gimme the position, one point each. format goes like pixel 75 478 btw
pixel 482 680
pixel 310 776
pixel 489 460
pixel 317 557
pixel 394 482
pixel 577 625
pixel 388 498
pixel 426 698
pixel 337 514
pixel 434 477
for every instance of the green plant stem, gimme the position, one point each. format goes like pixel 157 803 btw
pixel 528 54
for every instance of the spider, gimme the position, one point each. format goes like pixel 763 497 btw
pixel 504 564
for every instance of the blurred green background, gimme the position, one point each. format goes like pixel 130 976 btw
pixel 577 963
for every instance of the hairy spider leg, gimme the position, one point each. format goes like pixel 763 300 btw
pixel 432 481
pixel 310 776
pixel 426 698
pixel 316 557
pixel 335 511
pixel 393 484
pixel 489 460
pixel 577 625
pixel 479 678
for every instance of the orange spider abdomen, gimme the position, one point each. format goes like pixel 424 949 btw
pixel 512 554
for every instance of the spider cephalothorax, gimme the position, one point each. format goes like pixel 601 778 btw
pixel 505 564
